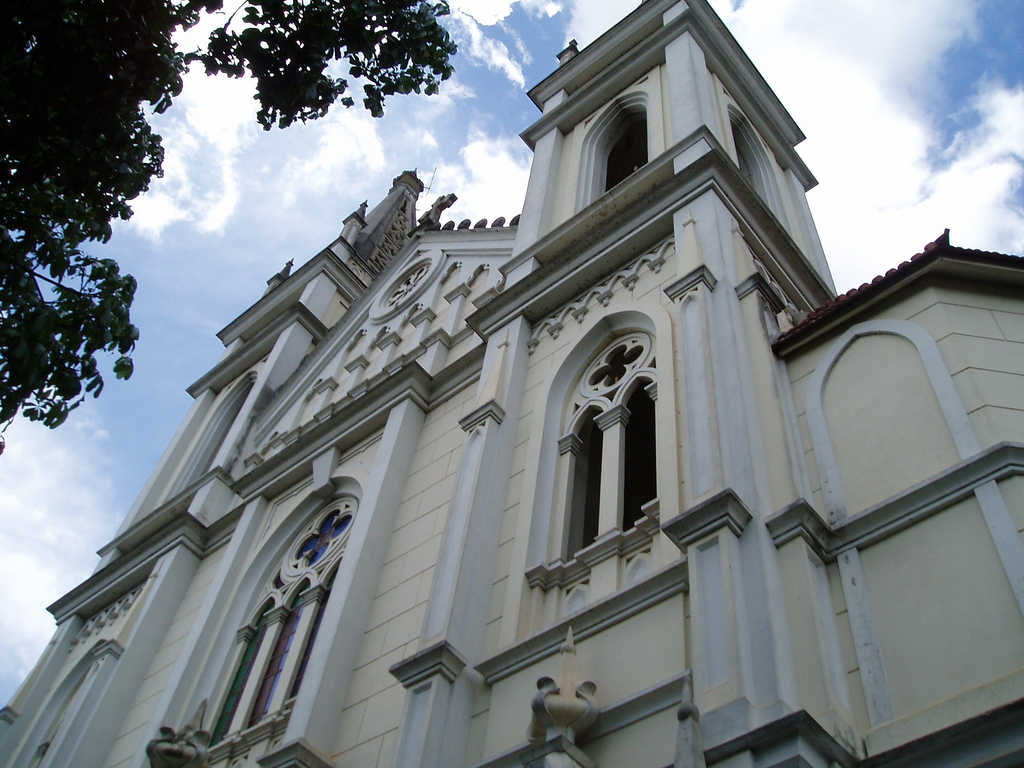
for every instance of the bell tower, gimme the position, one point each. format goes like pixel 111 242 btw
pixel 663 131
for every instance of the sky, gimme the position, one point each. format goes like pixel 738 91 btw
pixel 914 113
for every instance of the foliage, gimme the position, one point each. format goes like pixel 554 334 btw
pixel 77 81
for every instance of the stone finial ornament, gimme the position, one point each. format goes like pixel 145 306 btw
pixel 431 218
pixel 689 752
pixel 188 748
pixel 564 707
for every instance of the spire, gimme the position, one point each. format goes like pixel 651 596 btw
pixel 388 225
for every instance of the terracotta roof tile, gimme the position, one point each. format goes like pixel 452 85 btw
pixel 931 252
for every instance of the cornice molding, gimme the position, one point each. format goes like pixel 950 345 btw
pixel 723 510
pixel 438 659
pixel 799 520
pixel 612 610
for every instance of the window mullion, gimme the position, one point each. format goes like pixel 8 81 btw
pixel 612 424
pixel 275 621
pixel 310 602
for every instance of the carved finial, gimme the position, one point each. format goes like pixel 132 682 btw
pixel 689 752
pixel 431 218
pixel 566 707
pixel 281 276
pixel 187 749
pixel 570 52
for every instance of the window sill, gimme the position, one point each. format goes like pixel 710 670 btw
pixel 239 744
pixel 565 574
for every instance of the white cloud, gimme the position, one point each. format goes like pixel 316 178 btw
pixel 483 50
pixel 857 77
pixel 57 506
pixel 489 179
pixel 490 12
pixel 212 124
pixel 589 19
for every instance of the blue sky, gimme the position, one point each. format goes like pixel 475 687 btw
pixel 914 113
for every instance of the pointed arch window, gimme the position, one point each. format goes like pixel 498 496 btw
pixel 610 443
pixel 754 165
pixel 615 147
pixel 628 152
pixel 270 669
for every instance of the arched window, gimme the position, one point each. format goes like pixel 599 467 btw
pixel 269 671
pixel 615 147
pixel 610 442
pixel 754 165
pixel 209 443
pixel 628 153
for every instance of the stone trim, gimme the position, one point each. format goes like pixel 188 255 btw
pixel 269 728
pixel 637 707
pixel 256 348
pixel 612 544
pixel 757 282
pixel 724 509
pixel 950 402
pixel 438 659
pixel 699 276
pixel 617 414
pixel 801 731
pixel 534 755
pixel 490 410
pixel 883 520
pixel 141 546
pixel 106 648
pixel 295 754
pixel 595 618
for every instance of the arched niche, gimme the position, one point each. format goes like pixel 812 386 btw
pixel 883 414
pixel 754 165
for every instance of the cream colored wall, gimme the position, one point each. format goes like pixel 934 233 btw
pixel 887 428
pixel 946 617
pixel 802 364
pixel 132 733
pixel 374 706
pixel 981 336
pixel 950 631
pixel 653 640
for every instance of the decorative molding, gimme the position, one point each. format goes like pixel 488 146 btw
pixel 650 701
pixel 612 610
pixel 295 754
pixel 601 293
pixel 757 282
pixel 109 614
pixel 724 509
pixel 141 546
pixel 883 520
pixel 699 276
pixel 612 544
pixel 488 411
pixel 438 659
pixel 794 732
pixel 617 414
pixel 570 443
pixel 105 648
pixel 268 729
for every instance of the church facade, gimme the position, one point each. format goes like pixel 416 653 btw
pixel 618 482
